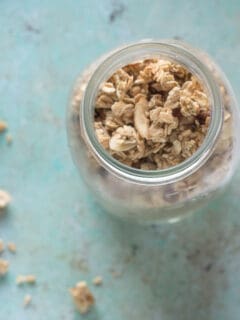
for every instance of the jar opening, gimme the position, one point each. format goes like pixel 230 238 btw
pixel 166 49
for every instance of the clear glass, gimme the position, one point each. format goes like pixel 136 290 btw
pixel 159 195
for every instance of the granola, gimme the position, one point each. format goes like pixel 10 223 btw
pixel 29 279
pixel 82 297
pixel 97 281
pixel 152 114
pixel 4 264
pixel 3 126
pixel 27 300
pixel 5 199
pixel 12 247
pixel 9 139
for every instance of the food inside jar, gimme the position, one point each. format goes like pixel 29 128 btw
pixel 152 114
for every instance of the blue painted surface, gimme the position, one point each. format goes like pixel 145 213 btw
pixel 185 271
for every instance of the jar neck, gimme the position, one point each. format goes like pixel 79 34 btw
pixel 166 49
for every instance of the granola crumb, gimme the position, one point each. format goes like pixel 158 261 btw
pixel 97 281
pixel 29 279
pixel 82 297
pixel 2 246
pixel 9 139
pixel 12 247
pixel 27 300
pixel 5 199
pixel 4 265
pixel 3 126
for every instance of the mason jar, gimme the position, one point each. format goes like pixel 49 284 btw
pixel 151 196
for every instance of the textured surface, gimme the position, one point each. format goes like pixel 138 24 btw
pixel 185 271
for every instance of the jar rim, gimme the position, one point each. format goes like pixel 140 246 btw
pixel 172 49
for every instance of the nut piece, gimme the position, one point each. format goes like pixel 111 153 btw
pixel 82 297
pixel 11 247
pixel 140 119
pixel 30 279
pixel 3 126
pixel 4 264
pixel 5 199
pixel 97 281
pixel 27 300
pixel 2 246
pixel 123 139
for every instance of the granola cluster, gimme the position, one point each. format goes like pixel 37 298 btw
pixel 30 279
pixel 152 114
pixel 82 297
pixel 5 199
pixel 4 265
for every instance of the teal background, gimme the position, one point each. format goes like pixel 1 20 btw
pixel 184 271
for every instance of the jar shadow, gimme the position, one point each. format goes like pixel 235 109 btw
pixel 179 271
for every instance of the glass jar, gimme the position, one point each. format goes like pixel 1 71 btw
pixel 157 195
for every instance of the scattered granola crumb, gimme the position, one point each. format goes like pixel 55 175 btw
pixel 2 246
pixel 9 138
pixel 4 264
pixel 27 300
pixel 3 126
pixel 97 281
pixel 152 114
pixel 82 297
pixel 12 247
pixel 30 279
pixel 5 199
